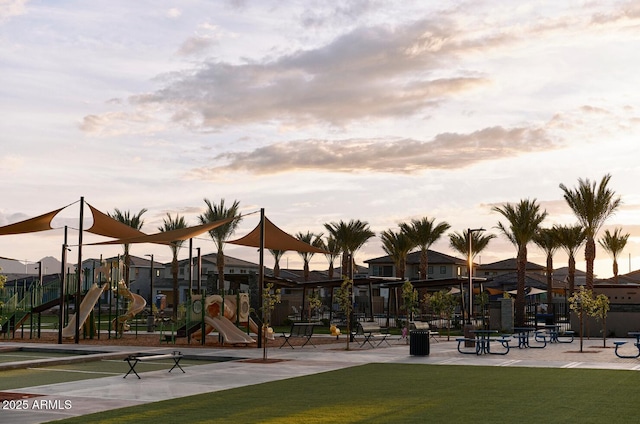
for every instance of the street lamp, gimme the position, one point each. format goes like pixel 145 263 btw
pixel 470 264
pixel 151 284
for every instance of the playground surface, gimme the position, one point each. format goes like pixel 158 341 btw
pixel 42 402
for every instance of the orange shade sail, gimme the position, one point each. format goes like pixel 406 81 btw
pixel 275 239
pixel 39 223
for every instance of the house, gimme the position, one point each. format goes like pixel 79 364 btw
pixel 507 266
pixel 440 266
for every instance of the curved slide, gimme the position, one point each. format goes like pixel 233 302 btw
pixel 136 305
pixel 86 306
pixel 253 326
pixel 230 333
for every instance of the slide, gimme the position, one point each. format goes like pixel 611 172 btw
pixel 230 333
pixel 86 307
pixel 136 305
pixel 253 326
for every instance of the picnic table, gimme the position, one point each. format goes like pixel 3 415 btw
pixel 482 342
pixel 523 335
pixel 635 334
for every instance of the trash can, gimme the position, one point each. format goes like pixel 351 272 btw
pixel 151 323
pixel 419 342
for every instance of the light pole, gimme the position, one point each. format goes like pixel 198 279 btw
pixel 151 284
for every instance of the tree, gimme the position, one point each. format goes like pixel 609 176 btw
pixel 397 246
pixel 277 255
pixel 170 224
pixel 570 239
pixel 614 243
pixel 593 205
pixel 133 221
pixel 315 303
pixel 460 242
pixel 315 241
pixel 330 246
pixel 524 220
pixel 582 303
pixel 443 304
pixel 219 235
pixel 350 236
pixel 344 297
pixel 409 304
pixel 424 232
pixel 547 240
pixel 601 306
pixel 270 298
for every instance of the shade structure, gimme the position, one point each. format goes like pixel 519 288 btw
pixel 166 237
pixel 32 225
pixel 275 239
pixel 529 291
pixel 104 225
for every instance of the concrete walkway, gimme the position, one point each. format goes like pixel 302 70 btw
pixel 94 395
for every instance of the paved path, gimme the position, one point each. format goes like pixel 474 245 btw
pixel 94 395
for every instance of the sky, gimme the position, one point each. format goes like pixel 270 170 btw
pixel 317 112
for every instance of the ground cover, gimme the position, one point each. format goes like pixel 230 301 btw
pixel 386 393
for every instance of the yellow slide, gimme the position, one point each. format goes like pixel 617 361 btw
pixel 86 306
pixel 136 305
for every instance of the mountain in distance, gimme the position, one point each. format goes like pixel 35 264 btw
pixel 50 265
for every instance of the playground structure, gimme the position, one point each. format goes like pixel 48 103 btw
pixel 86 307
pixel 137 304
pixel 220 313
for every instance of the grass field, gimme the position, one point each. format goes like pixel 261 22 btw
pixel 397 393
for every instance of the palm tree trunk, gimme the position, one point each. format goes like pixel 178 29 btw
pixel 615 271
pixel 550 284
pixel 590 256
pixel 520 298
pixel 176 296
pixel 220 266
pixel 423 264
pixel 572 274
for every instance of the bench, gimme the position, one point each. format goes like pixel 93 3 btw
pixel 421 325
pixel 371 331
pixel 134 359
pixel 566 337
pixel 466 341
pixel 619 343
pixel 299 329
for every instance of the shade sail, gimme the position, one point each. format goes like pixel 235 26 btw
pixel 166 237
pixel 39 223
pixel 104 225
pixel 275 239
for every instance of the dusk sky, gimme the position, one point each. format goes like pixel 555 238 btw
pixel 317 112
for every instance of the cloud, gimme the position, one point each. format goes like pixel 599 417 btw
pixel 195 45
pixel 369 73
pixel 445 151
pixel 11 163
pixel 174 13
pixel 11 8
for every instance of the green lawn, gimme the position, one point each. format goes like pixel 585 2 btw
pixel 396 393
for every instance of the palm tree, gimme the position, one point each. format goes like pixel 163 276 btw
pixel 315 241
pixel 333 250
pixel 221 234
pixel 460 242
pixel 350 236
pixel 570 238
pixel 133 221
pixel 592 205
pixel 170 224
pixel 424 232
pixel 524 220
pixel 397 246
pixel 277 255
pixel 547 240
pixel 614 243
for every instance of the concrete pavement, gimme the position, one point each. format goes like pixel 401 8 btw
pixel 88 396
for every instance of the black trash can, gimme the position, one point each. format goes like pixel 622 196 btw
pixel 419 342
